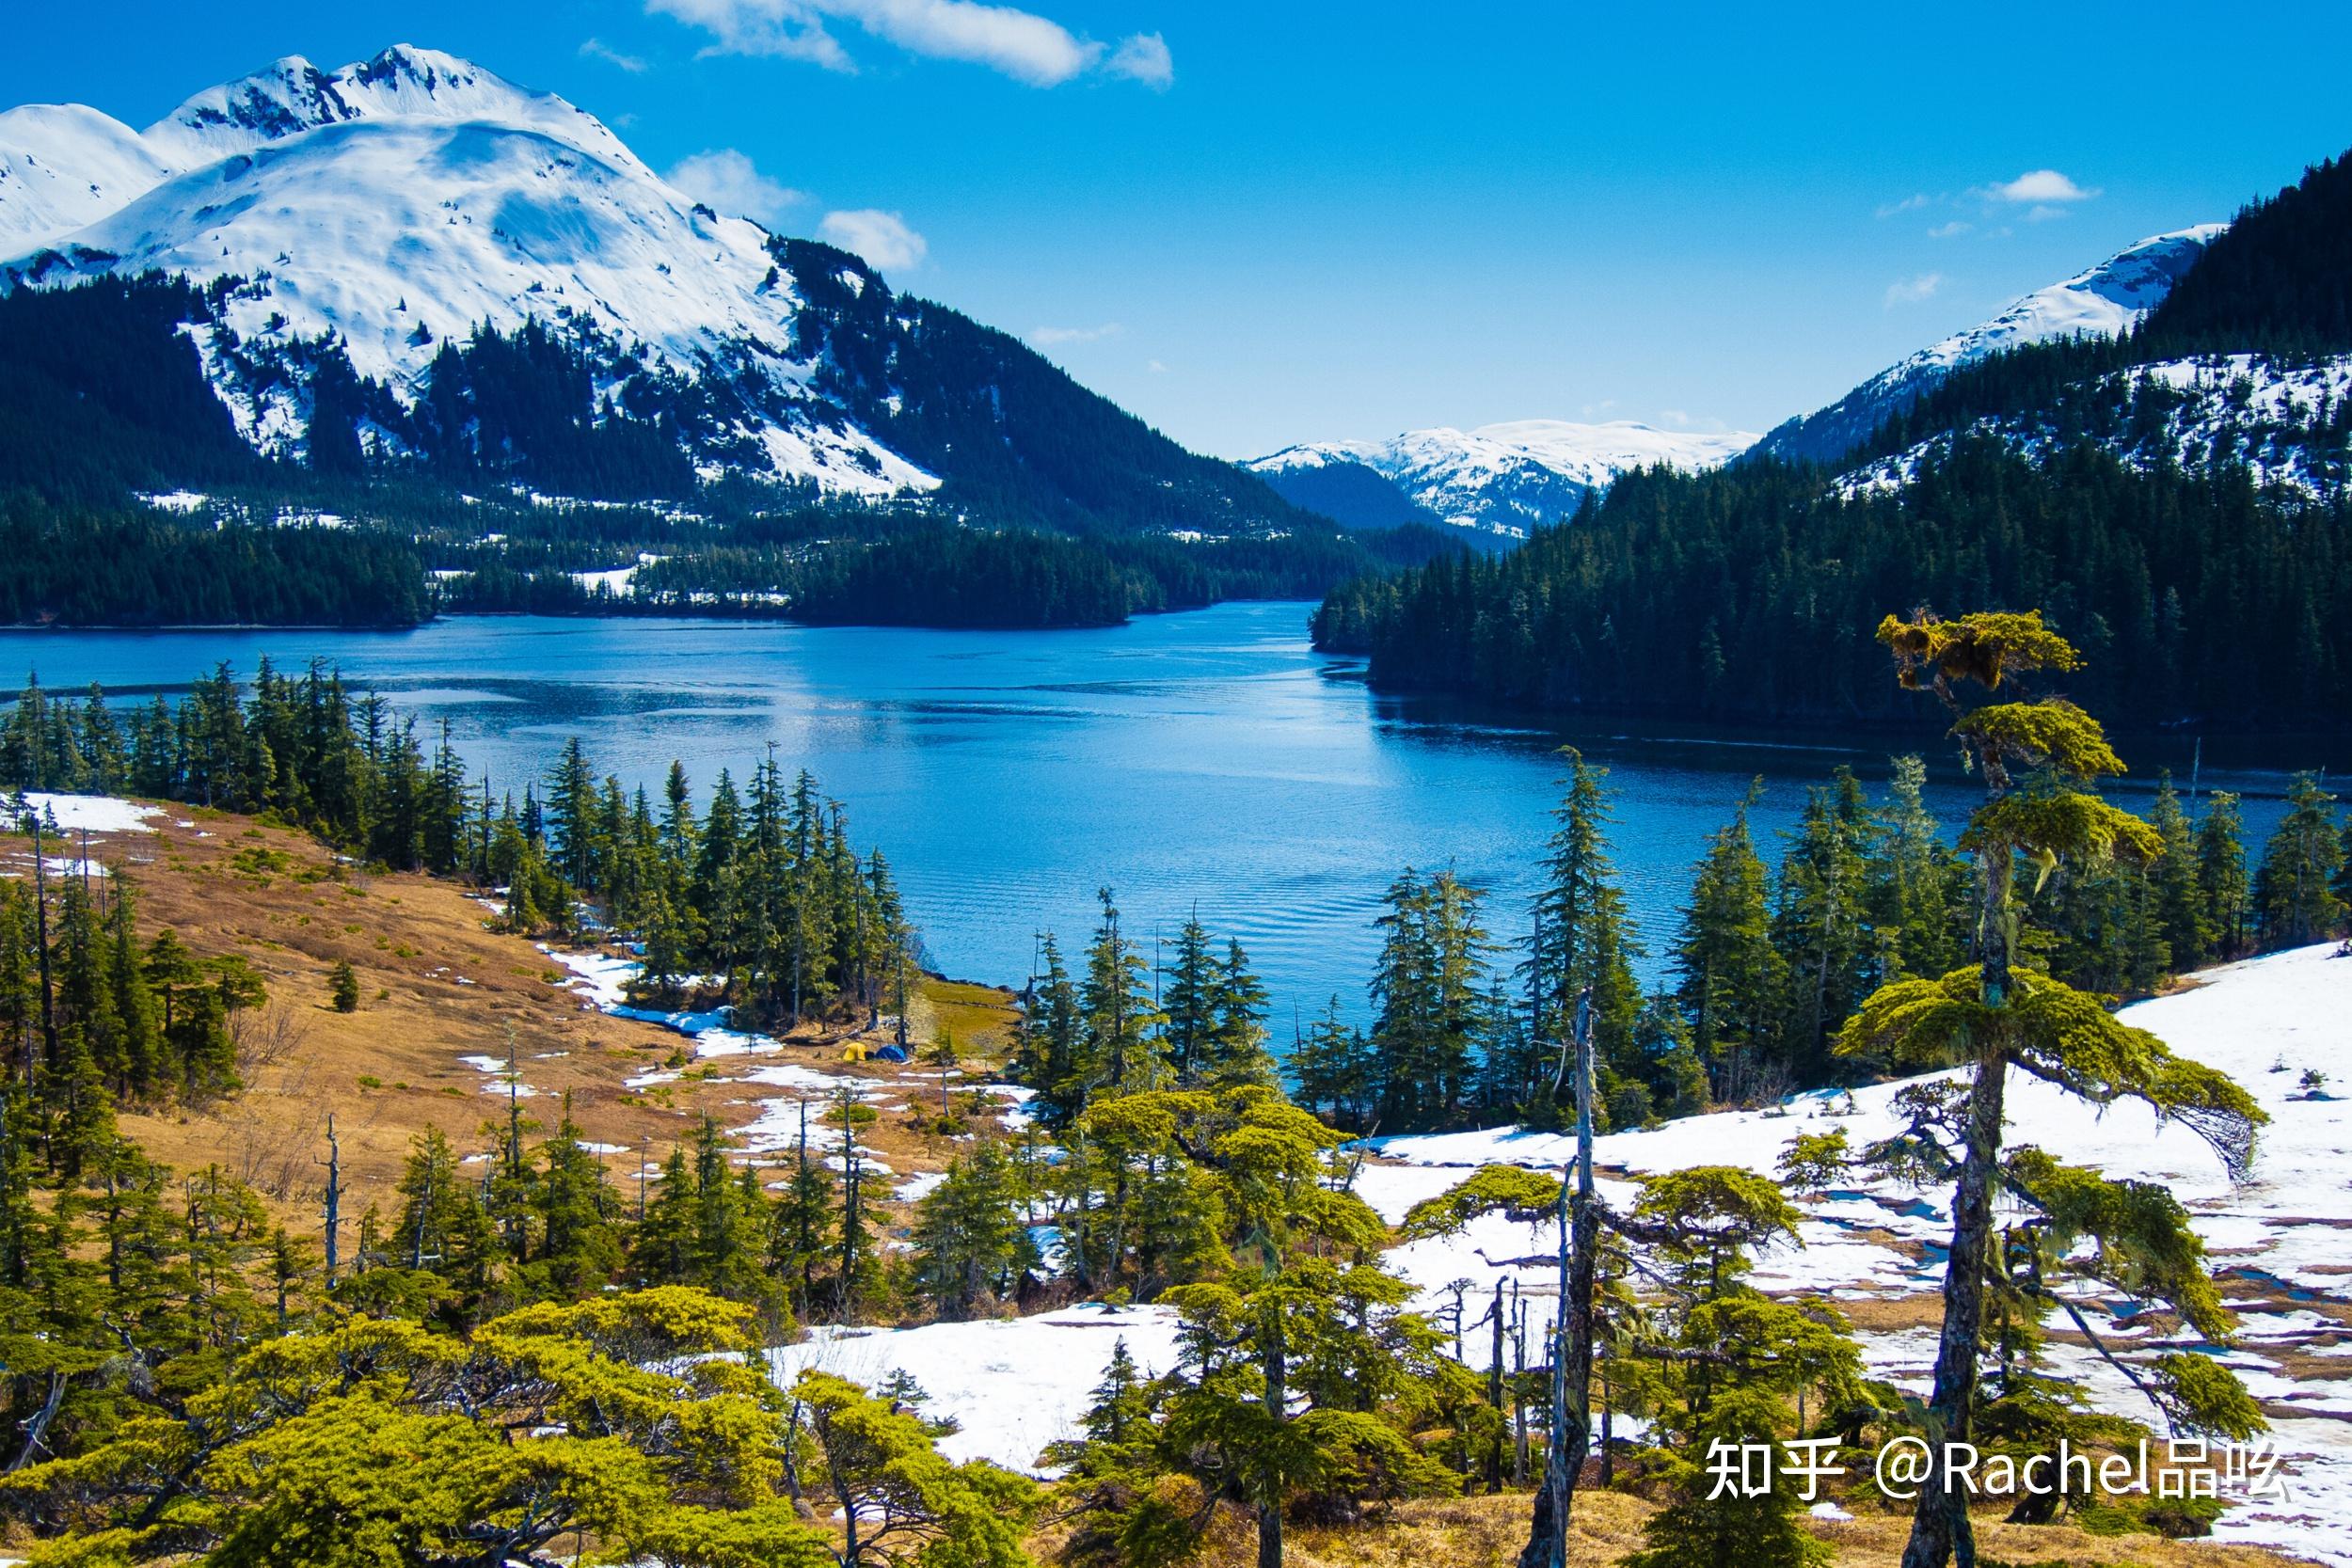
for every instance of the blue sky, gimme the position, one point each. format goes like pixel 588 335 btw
pixel 1257 223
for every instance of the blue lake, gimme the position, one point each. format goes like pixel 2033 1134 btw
pixel 1209 760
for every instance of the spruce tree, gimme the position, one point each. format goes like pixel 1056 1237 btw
pixel 342 987
pixel 2294 893
pixel 1729 974
pixel 1995 1016
pixel 2222 887
pixel 2182 918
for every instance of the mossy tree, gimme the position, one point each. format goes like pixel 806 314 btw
pixel 2039 760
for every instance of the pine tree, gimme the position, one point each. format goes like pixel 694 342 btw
pixel 1819 923
pixel 2294 894
pixel 1919 885
pixel 1117 1052
pixel 1186 1001
pixel 2222 887
pixel 1995 1016
pixel 342 987
pixel 971 1248
pixel 1729 973
pixel 2181 917
pixel 1237 1034
pixel 1330 1068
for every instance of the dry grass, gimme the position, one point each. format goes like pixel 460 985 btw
pixel 436 986
pixel 1488 1532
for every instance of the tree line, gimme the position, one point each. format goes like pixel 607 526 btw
pixel 1734 594
pixel 1768 960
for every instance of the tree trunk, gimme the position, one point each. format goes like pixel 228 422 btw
pixel 1275 1364
pixel 1494 1397
pixel 1572 1340
pixel 1939 1526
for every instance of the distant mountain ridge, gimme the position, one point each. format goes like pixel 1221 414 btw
pixel 1498 480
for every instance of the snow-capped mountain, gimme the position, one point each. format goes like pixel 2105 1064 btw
pixel 1499 479
pixel 411 261
pixel 410 197
pixel 2102 301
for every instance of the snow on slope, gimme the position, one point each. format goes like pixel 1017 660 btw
pixel 405 199
pixel 63 165
pixel 2101 301
pixel 2277 1240
pixel 1505 478
pixel 1013 1384
pixel 2280 421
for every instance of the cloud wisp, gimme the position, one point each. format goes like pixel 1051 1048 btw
pixel 881 239
pixel 1911 290
pixel 597 48
pixel 1020 44
pixel 1055 336
pixel 730 184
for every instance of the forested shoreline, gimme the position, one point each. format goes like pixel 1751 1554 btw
pixel 1733 595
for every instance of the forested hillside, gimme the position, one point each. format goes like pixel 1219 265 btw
pixel 1737 594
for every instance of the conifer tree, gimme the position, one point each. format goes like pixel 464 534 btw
pixel 342 987
pixel 971 1248
pixel 2222 887
pixel 1729 973
pixel 1331 1069
pixel 1116 1049
pixel 1819 925
pixel 1237 1034
pixel 2294 893
pixel 1995 1016
pixel 1919 884
pixel 801 1224
pixel 2182 918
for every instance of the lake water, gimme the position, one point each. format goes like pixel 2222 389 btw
pixel 1209 760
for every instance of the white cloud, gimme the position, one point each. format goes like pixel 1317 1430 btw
pixel 785 28
pixel 2041 185
pixel 730 184
pixel 1911 290
pixel 1144 57
pixel 1053 337
pixel 1021 44
pixel 882 238
pixel 1603 406
pixel 1675 419
pixel 1950 231
pixel 1156 366
pixel 1908 204
pixel 597 48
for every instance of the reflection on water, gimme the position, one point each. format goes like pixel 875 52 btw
pixel 1208 761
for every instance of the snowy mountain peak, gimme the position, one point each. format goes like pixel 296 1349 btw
pixel 2100 301
pixel 410 198
pixel 1499 478
pixel 290 96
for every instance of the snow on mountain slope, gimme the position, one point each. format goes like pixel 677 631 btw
pixel 408 199
pixel 290 96
pixel 2282 422
pixel 2101 301
pixel 63 165
pixel 1505 478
